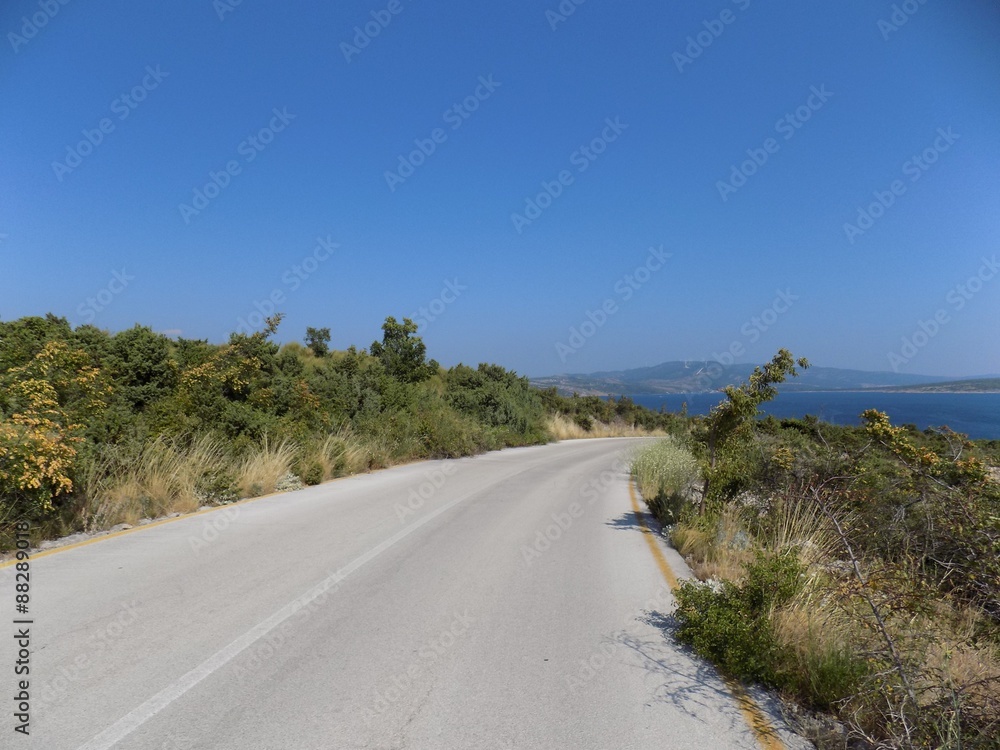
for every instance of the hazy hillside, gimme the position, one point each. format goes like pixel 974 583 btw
pixel 697 377
pixel 974 385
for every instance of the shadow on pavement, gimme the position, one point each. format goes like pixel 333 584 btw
pixel 627 521
pixel 678 677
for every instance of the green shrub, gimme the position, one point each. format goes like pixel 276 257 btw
pixel 495 397
pixel 313 474
pixel 821 674
pixel 729 623
pixel 218 486
pixel 444 433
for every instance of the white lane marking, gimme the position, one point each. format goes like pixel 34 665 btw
pixel 139 716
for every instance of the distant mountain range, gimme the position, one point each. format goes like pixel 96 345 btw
pixel 701 377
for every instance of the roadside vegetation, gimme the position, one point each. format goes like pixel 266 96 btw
pixel 100 429
pixel 667 474
pixel 854 569
pixel 590 416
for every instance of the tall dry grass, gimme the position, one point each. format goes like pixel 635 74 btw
pixel 561 427
pixel 719 552
pixel 161 479
pixel 166 476
pixel 259 471
pixel 340 454
pixel 797 526
pixel 831 653
pixel 957 659
pixel 742 527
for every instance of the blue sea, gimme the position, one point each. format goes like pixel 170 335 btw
pixel 975 414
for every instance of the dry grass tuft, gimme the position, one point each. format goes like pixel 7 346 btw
pixel 162 479
pixel 167 477
pixel 260 470
pixel 818 642
pixel 803 528
pixel 720 554
pixel 739 530
pixel 958 666
pixel 561 427
pixel 348 454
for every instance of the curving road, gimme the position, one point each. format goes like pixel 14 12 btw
pixel 509 600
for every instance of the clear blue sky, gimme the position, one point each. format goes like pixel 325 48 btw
pixel 884 94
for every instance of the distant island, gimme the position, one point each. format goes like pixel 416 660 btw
pixel 706 376
pixel 972 385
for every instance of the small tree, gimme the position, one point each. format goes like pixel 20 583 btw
pixel 402 354
pixel 318 339
pixel 733 416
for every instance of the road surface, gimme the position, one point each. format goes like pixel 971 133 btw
pixel 508 600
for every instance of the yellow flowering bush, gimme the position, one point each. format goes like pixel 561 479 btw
pixel 38 437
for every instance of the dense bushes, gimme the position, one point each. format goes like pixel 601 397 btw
pixel 99 428
pixel 495 397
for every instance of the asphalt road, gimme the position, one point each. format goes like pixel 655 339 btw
pixel 509 600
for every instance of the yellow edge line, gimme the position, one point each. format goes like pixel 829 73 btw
pixel 755 718
pixel 153 524
pixel 658 556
